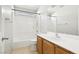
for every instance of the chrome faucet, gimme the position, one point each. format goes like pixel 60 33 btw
pixel 57 35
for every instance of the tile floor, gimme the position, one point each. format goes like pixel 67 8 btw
pixel 24 50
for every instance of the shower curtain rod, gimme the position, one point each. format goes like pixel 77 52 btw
pixel 25 11
pixel 29 12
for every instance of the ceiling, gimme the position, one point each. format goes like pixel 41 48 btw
pixel 31 8
pixel 49 9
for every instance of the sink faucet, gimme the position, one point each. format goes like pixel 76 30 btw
pixel 57 35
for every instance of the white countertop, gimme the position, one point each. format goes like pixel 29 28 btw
pixel 69 42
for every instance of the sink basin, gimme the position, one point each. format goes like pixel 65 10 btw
pixel 53 37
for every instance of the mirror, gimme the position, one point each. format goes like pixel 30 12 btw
pixel 52 22
pixel 67 19
pixel 59 19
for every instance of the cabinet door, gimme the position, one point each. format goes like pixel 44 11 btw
pixel 59 50
pixel 48 48
pixel 39 45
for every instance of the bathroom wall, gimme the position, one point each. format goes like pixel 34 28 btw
pixel 0 18
pixel 67 20
pixel 78 21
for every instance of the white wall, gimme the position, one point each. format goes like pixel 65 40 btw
pixel 78 21
pixel 0 18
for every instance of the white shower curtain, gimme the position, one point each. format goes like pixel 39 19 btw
pixel 24 27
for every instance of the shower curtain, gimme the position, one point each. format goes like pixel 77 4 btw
pixel 24 28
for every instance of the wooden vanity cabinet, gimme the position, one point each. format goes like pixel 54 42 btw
pixel 39 45
pixel 48 48
pixel 59 50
